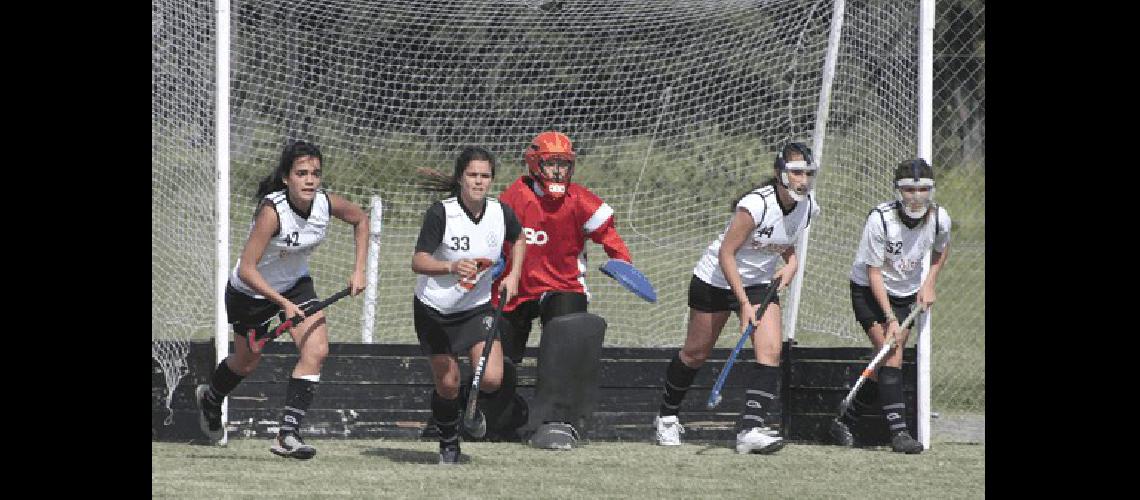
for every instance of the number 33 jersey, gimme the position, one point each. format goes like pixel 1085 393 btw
pixel 462 237
pixel 898 250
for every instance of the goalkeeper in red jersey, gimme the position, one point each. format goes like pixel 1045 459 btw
pixel 557 216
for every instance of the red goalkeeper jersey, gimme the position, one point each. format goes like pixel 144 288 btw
pixel 556 232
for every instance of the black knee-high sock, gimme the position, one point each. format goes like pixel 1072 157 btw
pixel 762 395
pixel 446 415
pixel 863 403
pixel 891 398
pixel 222 382
pixel 298 398
pixel 678 378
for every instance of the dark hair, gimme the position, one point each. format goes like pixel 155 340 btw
pixel 275 181
pixel 791 147
pixel 914 169
pixel 765 182
pixel 434 180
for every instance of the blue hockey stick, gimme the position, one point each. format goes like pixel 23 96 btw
pixel 714 396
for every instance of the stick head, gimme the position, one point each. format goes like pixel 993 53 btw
pixel 714 400
pixel 843 405
pixel 629 277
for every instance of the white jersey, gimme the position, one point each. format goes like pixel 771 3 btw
pixel 464 239
pixel 897 250
pixel 758 257
pixel 286 258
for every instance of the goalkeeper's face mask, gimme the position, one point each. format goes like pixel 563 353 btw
pixel 550 161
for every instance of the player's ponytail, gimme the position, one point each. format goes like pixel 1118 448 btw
pixel 770 180
pixel 434 180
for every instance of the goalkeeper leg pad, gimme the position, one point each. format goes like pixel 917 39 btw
pixel 569 364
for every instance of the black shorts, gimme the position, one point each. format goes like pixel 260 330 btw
pixel 867 309
pixel 551 305
pixel 450 333
pixel 245 312
pixel 707 298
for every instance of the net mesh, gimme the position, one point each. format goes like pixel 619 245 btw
pixel 675 109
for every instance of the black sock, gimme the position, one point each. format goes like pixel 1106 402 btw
pixel 222 382
pixel 761 396
pixel 298 398
pixel 863 403
pixel 489 395
pixel 678 378
pixel 446 415
pixel 891 398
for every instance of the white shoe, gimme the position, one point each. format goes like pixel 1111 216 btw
pixel 758 440
pixel 669 430
pixel 290 445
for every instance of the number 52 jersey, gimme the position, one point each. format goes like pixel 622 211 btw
pixel 898 250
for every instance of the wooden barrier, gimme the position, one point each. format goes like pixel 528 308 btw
pixel 384 390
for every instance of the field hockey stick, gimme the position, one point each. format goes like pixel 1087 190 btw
pixel 255 344
pixel 473 395
pixel 888 344
pixel 714 396
pixel 633 280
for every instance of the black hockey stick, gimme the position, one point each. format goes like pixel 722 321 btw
pixel 473 396
pixel 256 343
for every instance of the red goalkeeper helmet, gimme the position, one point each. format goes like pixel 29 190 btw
pixel 550 148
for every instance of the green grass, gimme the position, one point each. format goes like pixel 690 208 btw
pixel 405 469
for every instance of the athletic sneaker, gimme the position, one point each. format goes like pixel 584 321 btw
pixel 290 445
pixel 555 436
pixel 669 430
pixel 210 417
pixel 758 440
pixel 903 443
pixel 840 433
pixel 449 453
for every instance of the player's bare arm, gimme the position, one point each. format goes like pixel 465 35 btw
pixel 352 214
pixel 738 232
pixel 264 226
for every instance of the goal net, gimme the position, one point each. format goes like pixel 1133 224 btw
pixel 675 108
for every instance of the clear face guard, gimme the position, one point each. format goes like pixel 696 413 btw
pixel 799 166
pixel 915 201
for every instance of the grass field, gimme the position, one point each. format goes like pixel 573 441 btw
pixel 405 469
